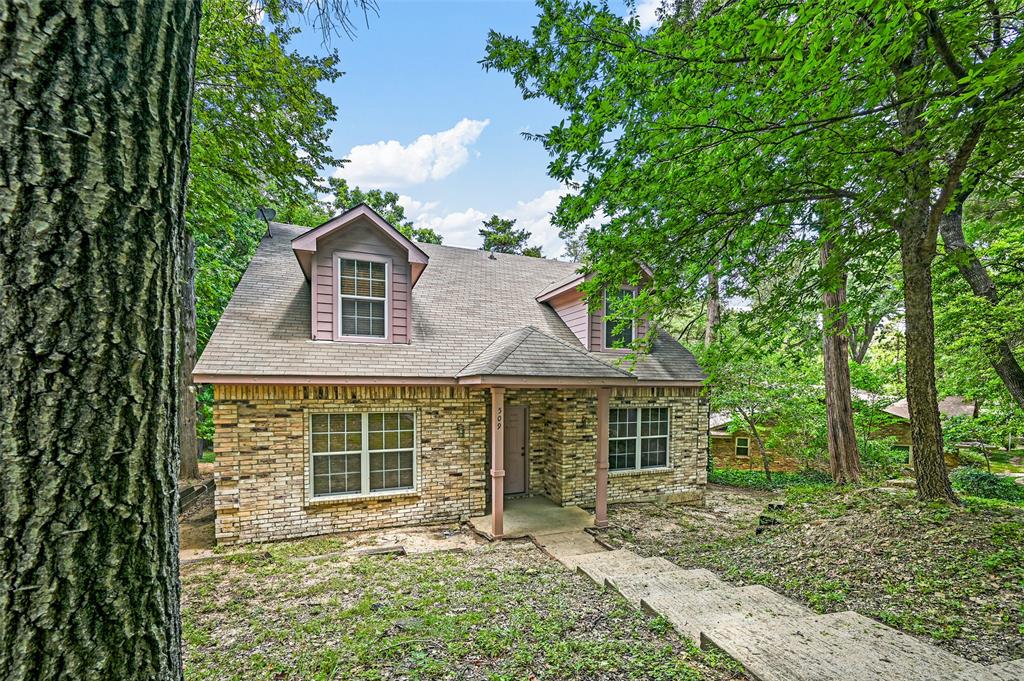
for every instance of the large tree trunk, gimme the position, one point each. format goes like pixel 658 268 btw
pixel 1001 355
pixel 925 426
pixel 187 417
pixel 714 304
pixel 843 456
pixel 94 128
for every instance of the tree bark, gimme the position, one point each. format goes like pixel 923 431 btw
pixel 189 469
pixel 95 108
pixel 765 463
pixel 714 305
pixel 922 400
pixel 918 242
pixel 974 272
pixel 843 456
pixel 859 344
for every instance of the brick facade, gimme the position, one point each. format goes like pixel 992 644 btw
pixel 262 455
pixel 723 455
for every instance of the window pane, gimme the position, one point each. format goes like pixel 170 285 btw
pixel 375 421
pixel 622 422
pixel 613 338
pixel 321 485
pixel 391 470
pixel 321 442
pixel 653 452
pixel 376 441
pixel 320 465
pixel 621 454
pixel 406 421
pixel 654 421
pixel 319 423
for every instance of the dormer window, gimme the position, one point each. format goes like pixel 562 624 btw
pixel 363 293
pixel 615 337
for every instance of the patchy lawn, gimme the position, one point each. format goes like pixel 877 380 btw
pixel 307 610
pixel 951 575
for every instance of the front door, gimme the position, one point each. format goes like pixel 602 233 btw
pixel 515 450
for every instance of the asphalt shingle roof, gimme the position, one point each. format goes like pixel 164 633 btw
pixel 464 302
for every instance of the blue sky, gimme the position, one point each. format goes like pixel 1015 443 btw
pixel 419 115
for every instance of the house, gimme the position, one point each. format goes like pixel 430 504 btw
pixel 738 449
pixel 362 380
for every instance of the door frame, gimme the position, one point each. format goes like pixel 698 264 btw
pixel 526 447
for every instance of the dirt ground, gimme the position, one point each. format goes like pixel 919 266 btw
pixel 953 576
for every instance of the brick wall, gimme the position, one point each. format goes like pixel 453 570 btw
pixel 723 455
pixel 262 454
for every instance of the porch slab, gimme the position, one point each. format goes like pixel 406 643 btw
pixel 535 517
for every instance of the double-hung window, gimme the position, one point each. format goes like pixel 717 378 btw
pixel 362 453
pixel 742 447
pixel 637 438
pixel 615 337
pixel 364 297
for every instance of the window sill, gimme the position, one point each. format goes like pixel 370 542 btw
pixel 342 498
pixel 641 471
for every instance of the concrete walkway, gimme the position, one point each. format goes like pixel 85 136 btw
pixel 533 516
pixel 774 637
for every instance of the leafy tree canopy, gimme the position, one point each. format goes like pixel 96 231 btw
pixel 501 236
pixel 385 203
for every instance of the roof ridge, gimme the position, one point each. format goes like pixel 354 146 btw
pixel 581 351
pixel 504 355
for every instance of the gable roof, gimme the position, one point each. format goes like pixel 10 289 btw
pixel 305 243
pixel 463 303
pixel 529 352
pixel 951 406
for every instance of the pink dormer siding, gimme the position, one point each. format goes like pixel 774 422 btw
pixel 586 323
pixel 360 241
pixel 358 234
pixel 572 309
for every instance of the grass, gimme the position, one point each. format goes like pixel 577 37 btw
pixel 954 575
pixel 758 480
pixel 502 613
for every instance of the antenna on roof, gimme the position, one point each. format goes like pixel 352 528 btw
pixel 490 254
pixel 266 214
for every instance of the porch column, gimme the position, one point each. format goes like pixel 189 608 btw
pixel 601 504
pixel 497 461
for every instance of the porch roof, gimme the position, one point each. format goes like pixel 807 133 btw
pixel 527 351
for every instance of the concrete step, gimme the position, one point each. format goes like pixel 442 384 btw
pixel 844 646
pixel 639 585
pixel 694 611
pixel 1004 671
pixel 586 559
pixel 612 562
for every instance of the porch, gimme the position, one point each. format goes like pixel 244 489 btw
pixel 536 460
pixel 533 517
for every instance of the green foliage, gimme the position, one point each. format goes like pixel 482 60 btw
pixel 979 483
pixel 387 206
pixel 259 137
pixel 501 236
pixel 757 479
pixel 879 461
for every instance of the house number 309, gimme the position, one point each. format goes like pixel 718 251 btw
pixel 498 418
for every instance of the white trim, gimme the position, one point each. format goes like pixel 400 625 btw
pixel 736 447
pixel 364 459
pixel 638 439
pixel 604 321
pixel 339 296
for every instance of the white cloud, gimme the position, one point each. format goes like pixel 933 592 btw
pixel 647 13
pixel 430 157
pixel 460 228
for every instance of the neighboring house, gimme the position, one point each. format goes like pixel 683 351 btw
pixel 738 449
pixel 362 381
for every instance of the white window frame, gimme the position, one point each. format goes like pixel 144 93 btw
pixel 364 460
pixel 368 258
pixel 736 447
pixel 638 438
pixel 604 322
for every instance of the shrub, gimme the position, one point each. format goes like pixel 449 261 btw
pixel 978 483
pixel 757 479
pixel 879 461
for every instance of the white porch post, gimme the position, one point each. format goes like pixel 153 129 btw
pixel 601 503
pixel 497 461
